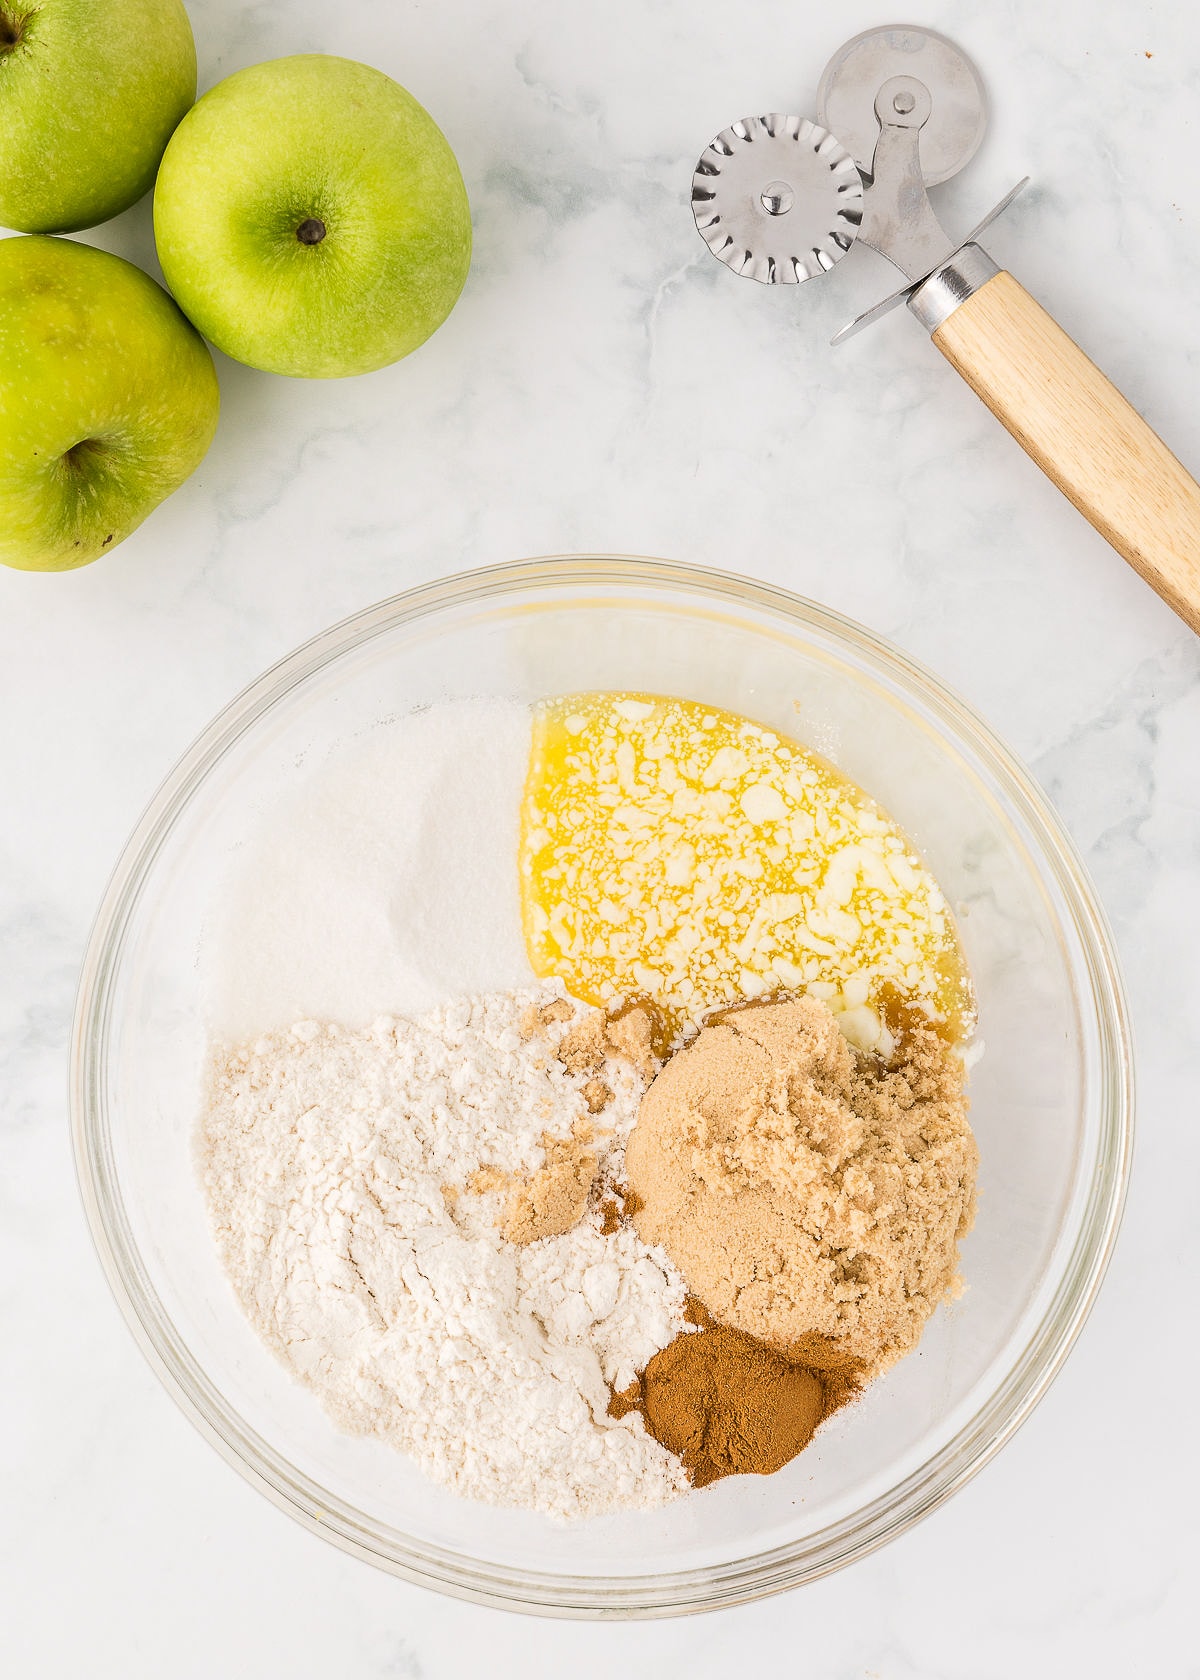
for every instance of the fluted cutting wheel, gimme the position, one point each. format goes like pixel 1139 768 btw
pixel 777 198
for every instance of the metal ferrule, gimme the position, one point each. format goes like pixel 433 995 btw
pixel 936 298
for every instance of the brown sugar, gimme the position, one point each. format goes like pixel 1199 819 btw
pixel 812 1197
pixel 552 1200
pixel 482 1182
pixel 633 1033
pixel 597 1095
pixel 582 1048
pixel 549 1201
pixel 641 1034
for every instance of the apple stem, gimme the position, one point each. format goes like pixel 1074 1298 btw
pixel 12 28
pixel 311 231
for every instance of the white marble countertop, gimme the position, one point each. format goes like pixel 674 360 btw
pixel 603 385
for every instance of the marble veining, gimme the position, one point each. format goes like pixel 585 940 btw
pixel 604 385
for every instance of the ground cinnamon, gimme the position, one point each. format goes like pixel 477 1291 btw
pixel 727 1404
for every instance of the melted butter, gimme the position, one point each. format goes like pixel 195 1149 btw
pixel 688 855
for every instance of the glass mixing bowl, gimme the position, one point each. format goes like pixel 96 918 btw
pixel 1051 1096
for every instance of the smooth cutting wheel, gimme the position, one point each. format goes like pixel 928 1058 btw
pixel 852 78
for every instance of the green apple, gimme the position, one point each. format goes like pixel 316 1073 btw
pixel 90 91
pixel 108 400
pixel 311 219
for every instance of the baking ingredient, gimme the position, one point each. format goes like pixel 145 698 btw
pixel 338 1169
pixel 90 91
pixel 108 401
pixel 311 219
pixel 686 853
pixel 384 884
pixel 634 1031
pixel 811 1196
pixel 726 1404
pixel 552 1200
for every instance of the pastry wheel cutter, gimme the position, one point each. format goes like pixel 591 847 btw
pixel 781 199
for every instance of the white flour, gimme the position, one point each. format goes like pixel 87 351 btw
pixel 385 885
pixel 324 1154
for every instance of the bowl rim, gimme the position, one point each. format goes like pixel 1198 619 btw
pixel 598 1597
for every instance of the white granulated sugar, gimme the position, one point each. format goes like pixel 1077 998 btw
pixel 388 884
pixel 326 1155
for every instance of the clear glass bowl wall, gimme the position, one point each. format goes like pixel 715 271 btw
pixel 1051 1095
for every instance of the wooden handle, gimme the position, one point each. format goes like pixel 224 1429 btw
pixel 1082 433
